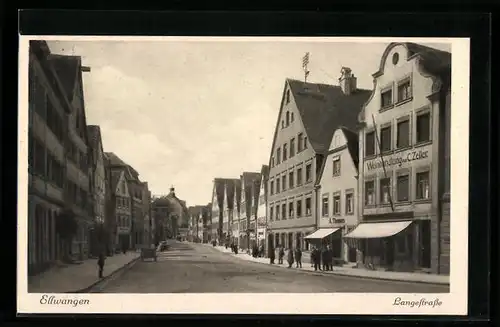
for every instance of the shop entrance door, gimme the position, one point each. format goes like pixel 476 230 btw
pixel 425 243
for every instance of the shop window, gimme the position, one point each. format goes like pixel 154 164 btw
pixel 385 138
pixel 283 211
pixel 278 185
pixel 423 187
pixel 370 143
pixel 300 142
pixel 423 127
pixel 290 210
pixel 336 205
pixel 349 204
pixel 278 156
pixel 299 208
pixel 290 179
pixel 292 147
pixel 370 193
pixel 283 181
pixel 336 167
pixel 277 212
pixel 404 91
pixel 385 190
pixel 403 188
pixel 285 152
pixel 386 99
pixel 271 187
pixel 308 206
pixel 324 206
pixel 308 172
pixel 299 176
pixel 403 134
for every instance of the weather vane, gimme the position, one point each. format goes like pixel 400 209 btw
pixel 305 62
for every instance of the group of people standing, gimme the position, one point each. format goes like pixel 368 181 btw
pixel 292 256
pixel 322 258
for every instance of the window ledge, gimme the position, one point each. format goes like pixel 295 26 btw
pixel 423 143
pixel 370 157
pixel 418 201
pixel 387 152
pixel 370 206
pixel 386 108
pixel 349 213
pixel 404 101
pixel 384 205
pixel 403 203
pixel 401 149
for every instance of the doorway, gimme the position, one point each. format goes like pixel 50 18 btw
pixel 425 243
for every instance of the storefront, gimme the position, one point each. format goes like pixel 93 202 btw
pixel 325 237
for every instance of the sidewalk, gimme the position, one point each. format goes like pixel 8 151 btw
pixel 350 271
pixel 66 278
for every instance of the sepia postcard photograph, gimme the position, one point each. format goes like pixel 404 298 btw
pixel 249 175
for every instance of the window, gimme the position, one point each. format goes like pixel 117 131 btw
pixel 292 147
pixel 422 181
pixel 290 210
pixel 31 149
pixel 404 91
pixel 282 124
pixel 324 206
pixel 336 167
pixel 403 134
pixel 278 212
pixel 370 193
pixel 285 152
pixel 272 161
pixel 305 142
pixel 336 205
pixel 40 161
pixel 385 190
pixel 287 118
pixel 403 188
pixel 370 143
pixel 287 96
pixel 299 208
pixel 299 176
pixel 308 173
pixel 386 99
pixel 283 211
pixel 55 171
pixel 283 182
pixel 278 156
pixel 300 142
pixel 349 203
pixel 291 117
pixel 308 206
pixel 423 127
pixel 271 213
pixel 385 139
pixel 278 185
pixel 290 179
pixel 271 187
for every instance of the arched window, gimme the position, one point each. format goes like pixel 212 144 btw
pixel 291 117
pixel 287 118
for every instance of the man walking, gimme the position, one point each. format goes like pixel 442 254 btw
pixel 281 254
pixel 271 254
pixel 100 263
pixel 298 257
pixel 290 257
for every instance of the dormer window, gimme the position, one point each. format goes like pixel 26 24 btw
pixel 287 118
pixel 287 96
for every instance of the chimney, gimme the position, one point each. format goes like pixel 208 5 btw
pixel 347 81
pixel 172 190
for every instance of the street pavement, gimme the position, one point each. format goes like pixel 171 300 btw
pixel 195 268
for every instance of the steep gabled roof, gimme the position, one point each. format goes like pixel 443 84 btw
pixel 230 192
pixel 323 108
pixel 220 189
pixel 115 179
pixel 114 160
pixel 237 196
pixel 352 147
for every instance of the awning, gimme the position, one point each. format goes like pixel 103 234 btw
pixel 378 230
pixel 321 233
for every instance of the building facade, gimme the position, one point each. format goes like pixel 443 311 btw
pixel 48 123
pixel 247 213
pixel 262 207
pixel 146 237
pixel 402 162
pixel 336 190
pixel 309 114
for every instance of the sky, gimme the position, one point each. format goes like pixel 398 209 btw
pixel 183 113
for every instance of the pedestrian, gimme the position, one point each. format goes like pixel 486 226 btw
pixel 100 263
pixel 315 256
pixel 324 258
pixel 330 258
pixel 272 255
pixel 290 257
pixel 298 257
pixel 281 254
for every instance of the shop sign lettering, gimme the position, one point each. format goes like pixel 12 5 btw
pixel 398 160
